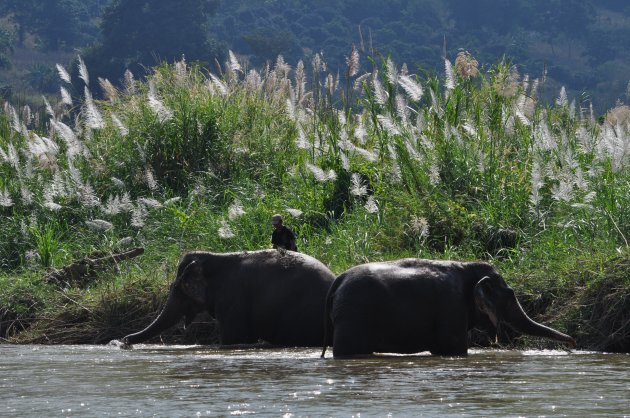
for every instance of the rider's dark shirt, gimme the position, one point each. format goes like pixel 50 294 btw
pixel 282 238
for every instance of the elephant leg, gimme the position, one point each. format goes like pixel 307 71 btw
pixel 351 340
pixel 451 339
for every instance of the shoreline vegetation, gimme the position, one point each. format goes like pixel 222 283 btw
pixel 371 163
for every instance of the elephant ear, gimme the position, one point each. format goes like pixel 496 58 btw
pixel 191 282
pixel 483 291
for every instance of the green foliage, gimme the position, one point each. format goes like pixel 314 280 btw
pixel 467 165
pixel 6 48
pixel 57 24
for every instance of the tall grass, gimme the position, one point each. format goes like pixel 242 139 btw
pixel 375 165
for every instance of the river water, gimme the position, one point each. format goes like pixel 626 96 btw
pixel 172 381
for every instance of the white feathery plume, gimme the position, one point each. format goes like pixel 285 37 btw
pixel 5 198
pixel 3 155
pixel 449 81
pixel 93 116
pixel 302 142
pixel 353 62
pixel 16 123
pixel 150 179
pixel 121 127
pixel 369 156
pixel 413 153
pixel 330 84
pixel 290 109
pixel 149 203
pixel 563 191
pixel 26 195
pixel 27 114
pixel 537 183
pixel 63 73
pixel 435 104
pixel 388 124
pixel 171 202
pixel 138 216
pixel 117 182
pixel 108 89
pixel 296 213
pixel 87 196
pixel 411 87
pixel 345 163
pixel 124 242
pixel 218 85
pixel 392 72
pixel 83 72
pixel 235 210
pixel 320 175
pixel 12 157
pixel 562 99
pixel 300 81
pixel 58 186
pixel 41 147
pixel 161 111
pixel 181 70
pixel 380 95
pixel 234 64
pixel 126 205
pixel 67 134
pixel 371 206
pixel 360 134
pixel 65 96
pixel 358 188
pixel 358 82
pixel 469 129
pixel 112 206
pixel 52 206
pixel 253 81
pixel 225 232
pixel 434 173
pixel 130 82
pixel 402 110
pixel 99 225
pixel 49 108
pixel 282 67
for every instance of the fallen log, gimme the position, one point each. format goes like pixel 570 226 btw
pixel 81 272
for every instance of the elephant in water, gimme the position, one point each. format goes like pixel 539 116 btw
pixel 269 295
pixel 414 305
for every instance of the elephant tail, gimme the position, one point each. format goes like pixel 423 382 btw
pixel 328 324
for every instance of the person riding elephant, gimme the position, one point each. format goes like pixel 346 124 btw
pixel 413 305
pixel 276 297
pixel 282 237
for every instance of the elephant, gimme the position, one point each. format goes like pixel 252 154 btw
pixel 270 295
pixel 412 305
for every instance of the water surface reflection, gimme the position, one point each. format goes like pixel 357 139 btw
pixel 194 381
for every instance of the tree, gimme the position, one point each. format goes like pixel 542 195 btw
pixel 6 48
pixel 140 33
pixel 57 24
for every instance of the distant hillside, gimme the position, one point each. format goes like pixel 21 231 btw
pixel 574 43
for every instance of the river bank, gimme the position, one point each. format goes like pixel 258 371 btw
pixel 590 302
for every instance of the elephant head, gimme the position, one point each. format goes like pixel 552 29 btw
pixel 187 297
pixel 497 300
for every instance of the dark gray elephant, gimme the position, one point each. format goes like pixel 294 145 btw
pixel 413 305
pixel 269 295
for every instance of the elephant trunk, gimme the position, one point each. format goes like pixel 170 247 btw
pixel 169 316
pixel 517 318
